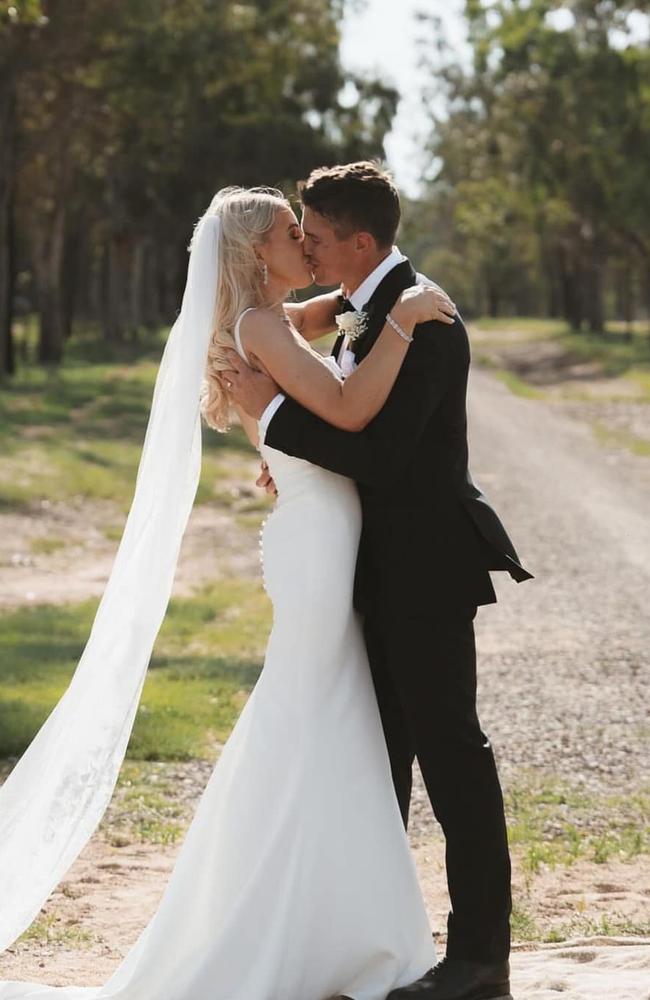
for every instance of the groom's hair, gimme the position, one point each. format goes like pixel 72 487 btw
pixel 354 197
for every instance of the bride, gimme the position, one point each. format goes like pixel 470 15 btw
pixel 295 880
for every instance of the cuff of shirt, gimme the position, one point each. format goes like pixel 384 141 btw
pixel 270 412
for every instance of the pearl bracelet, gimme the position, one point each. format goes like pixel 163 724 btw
pixel 397 328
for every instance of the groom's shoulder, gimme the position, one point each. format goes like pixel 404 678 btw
pixel 423 279
pixel 436 338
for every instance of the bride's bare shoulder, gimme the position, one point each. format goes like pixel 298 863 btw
pixel 260 317
pixel 262 323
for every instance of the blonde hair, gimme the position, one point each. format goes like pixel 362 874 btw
pixel 247 215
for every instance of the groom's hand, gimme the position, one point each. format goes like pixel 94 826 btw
pixel 250 389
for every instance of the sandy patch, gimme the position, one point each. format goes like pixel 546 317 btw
pixel 111 893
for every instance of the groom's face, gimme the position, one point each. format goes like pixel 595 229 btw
pixel 330 258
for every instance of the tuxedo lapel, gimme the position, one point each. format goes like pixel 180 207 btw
pixel 345 306
pixel 338 344
pixel 380 304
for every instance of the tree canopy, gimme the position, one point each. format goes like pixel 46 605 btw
pixel 538 200
pixel 120 120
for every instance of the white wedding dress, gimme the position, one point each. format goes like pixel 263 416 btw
pixel 295 880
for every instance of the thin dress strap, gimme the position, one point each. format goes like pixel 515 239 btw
pixel 238 335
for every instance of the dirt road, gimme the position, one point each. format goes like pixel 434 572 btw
pixel 565 658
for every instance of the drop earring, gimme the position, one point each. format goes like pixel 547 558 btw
pixel 265 273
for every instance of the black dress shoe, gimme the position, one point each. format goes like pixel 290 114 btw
pixel 460 979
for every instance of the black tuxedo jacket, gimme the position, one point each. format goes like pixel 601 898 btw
pixel 429 534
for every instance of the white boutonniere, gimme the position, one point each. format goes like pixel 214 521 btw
pixel 352 324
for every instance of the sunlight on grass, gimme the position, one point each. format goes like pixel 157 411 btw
pixel 77 431
pixel 51 930
pixel 526 928
pixel 523 924
pixel 146 806
pixel 526 327
pixel 205 661
pixel 550 823
pixel 517 385
pixel 607 926
pixel 618 354
pixel 500 345
pixel 47 545
pixel 613 437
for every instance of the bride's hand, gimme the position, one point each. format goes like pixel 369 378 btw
pixel 422 303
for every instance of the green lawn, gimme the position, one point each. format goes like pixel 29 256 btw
pixel 77 430
pixel 552 823
pixel 206 660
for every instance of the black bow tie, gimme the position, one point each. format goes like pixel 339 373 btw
pixel 345 306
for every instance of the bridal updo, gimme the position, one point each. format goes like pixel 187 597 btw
pixel 247 216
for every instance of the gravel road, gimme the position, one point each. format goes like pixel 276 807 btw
pixel 565 658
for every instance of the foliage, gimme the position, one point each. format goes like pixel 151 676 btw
pixel 538 199
pixel 125 118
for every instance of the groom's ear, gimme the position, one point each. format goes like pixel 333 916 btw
pixel 365 242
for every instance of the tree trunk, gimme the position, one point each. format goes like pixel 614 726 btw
pixel 72 259
pixel 49 273
pixel 647 294
pixel 571 290
pixel 116 304
pixel 594 293
pixel 552 288
pixel 624 291
pixel 493 298
pixel 152 312
pixel 137 289
pixel 7 242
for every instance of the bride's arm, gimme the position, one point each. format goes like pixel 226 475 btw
pixel 314 318
pixel 306 377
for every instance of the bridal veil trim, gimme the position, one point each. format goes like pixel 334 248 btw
pixel 58 791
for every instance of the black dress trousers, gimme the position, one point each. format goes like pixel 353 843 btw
pixel 424 672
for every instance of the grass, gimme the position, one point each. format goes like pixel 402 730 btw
pixel 552 824
pixel 605 926
pixel 605 370
pixel 47 545
pixel 523 924
pixel 618 353
pixel 145 807
pixel 517 385
pixel 77 430
pixel 526 928
pixel 525 327
pixel 617 438
pixel 205 661
pixel 49 930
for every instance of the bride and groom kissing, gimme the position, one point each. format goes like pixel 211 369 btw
pixel 295 880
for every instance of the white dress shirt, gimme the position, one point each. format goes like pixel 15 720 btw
pixel 369 285
pixel 358 298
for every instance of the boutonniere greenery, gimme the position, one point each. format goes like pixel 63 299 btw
pixel 352 324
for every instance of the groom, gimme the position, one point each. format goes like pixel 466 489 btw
pixel 428 541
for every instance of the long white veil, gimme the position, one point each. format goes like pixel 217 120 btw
pixel 56 794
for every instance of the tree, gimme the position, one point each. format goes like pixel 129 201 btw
pixel 18 25
pixel 541 152
pixel 133 114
